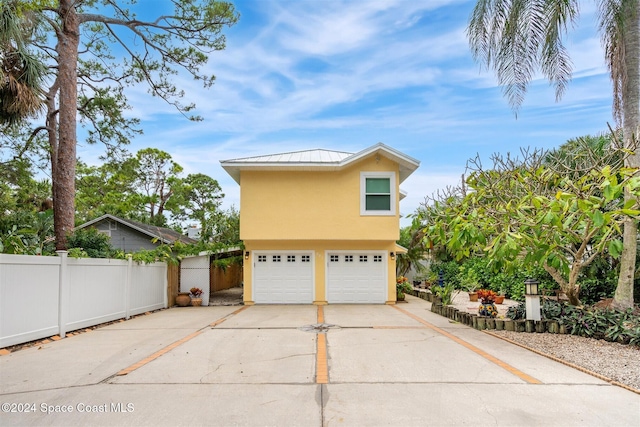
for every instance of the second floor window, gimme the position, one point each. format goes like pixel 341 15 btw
pixel 377 193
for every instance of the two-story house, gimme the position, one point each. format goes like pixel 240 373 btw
pixel 321 226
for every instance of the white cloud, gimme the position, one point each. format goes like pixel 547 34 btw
pixel 345 75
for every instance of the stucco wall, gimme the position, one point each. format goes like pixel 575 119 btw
pixel 311 205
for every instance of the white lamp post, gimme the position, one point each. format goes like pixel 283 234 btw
pixel 532 299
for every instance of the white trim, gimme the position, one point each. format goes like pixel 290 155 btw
pixel 363 193
pixel 284 253
pixel 285 161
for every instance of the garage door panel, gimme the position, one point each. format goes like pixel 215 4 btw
pixel 283 278
pixel 356 277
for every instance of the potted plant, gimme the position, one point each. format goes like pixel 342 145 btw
pixel 502 294
pixel 471 290
pixel 487 304
pixel 402 286
pixel 196 300
pixel 470 282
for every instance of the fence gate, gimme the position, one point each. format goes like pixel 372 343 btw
pixel 194 272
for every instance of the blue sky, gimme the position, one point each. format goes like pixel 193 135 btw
pixel 344 75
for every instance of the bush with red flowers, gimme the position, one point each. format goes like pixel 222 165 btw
pixel 487 296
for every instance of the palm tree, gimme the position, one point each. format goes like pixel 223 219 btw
pixel 411 238
pixel 516 38
pixel 21 81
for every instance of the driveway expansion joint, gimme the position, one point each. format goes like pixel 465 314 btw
pixel 320 328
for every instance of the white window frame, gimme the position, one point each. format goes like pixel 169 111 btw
pixel 363 193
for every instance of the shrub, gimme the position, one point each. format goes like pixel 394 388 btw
pixel 611 325
pixel 91 242
pixel 449 270
pixel 444 292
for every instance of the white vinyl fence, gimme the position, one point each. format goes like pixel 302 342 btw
pixel 44 296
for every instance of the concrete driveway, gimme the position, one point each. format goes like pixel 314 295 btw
pixel 273 365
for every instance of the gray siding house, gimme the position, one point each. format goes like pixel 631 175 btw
pixel 132 236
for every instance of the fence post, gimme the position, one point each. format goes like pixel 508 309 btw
pixel 127 287
pixel 166 284
pixel 63 294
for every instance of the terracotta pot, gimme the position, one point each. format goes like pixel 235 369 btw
pixel 499 299
pixel 473 296
pixel 183 299
pixel 196 302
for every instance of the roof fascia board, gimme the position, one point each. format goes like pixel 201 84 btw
pixel 93 221
pixel 392 153
pixel 123 222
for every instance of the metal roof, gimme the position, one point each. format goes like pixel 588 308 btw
pixel 318 160
pixel 307 156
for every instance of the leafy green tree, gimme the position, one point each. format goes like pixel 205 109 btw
pixel 148 187
pixel 108 188
pixel 198 197
pixel 521 210
pixel 27 232
pixel 516 38
pixel 20 191
pixel 226 226
pixel 156 177
pixel 75 38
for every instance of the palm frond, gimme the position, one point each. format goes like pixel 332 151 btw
pixel 612 21
pixel 22 74
pixel 518 37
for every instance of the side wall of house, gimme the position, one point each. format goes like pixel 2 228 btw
pixel 123 237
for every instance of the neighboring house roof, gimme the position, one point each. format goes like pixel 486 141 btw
pixel 318 160
pixel 165 235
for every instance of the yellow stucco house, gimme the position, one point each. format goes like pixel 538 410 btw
pixel 321 226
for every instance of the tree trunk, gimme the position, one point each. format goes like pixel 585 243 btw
pixel 570 287
pixel 64 158
pixel 623 297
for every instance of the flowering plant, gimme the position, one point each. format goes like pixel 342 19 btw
pixel 196 292
pixel 402 284
pixel 487 296
pixel 488 310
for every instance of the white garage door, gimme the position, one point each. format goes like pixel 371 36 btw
pixel 283 277
pixel 356 277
